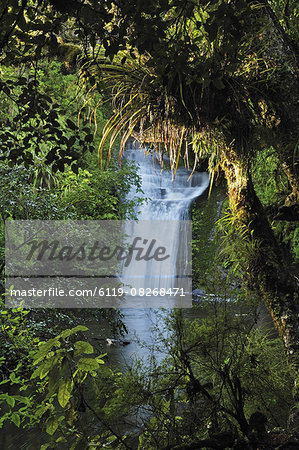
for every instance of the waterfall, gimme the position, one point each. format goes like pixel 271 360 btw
pixel 168 199
pixel 166 213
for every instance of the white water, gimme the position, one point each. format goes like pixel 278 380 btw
pixel 169 199
pixel 163 216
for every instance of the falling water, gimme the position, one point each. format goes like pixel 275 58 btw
pixel 167 201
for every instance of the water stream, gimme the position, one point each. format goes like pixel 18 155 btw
pixel 167 199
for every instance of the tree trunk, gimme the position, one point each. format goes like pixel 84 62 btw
pixel 268 272
pixel 293 178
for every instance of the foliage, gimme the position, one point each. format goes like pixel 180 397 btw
pixel 16 340
pixel 99 193
pixel 214 78
pixel 37 126
pixel 220 369
pixel 239 248
pixel 20 199
pixel 271 185
pixel 95 195
pixel 269 179
pixel 200 70
pixel 205 241
pixel 288 13
pixel 61 365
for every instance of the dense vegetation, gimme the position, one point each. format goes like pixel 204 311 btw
pixel 212 83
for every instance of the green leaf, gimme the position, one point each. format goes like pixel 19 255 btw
pixel 99 359
pixel 45 369
pixel 10 401
pixel 88 364
pixel 111 439
pixel 88 138
pixel 41 410
pixel 71 141
pixel 52 425
pixel 64 392
pixel 60 439
pixel 54 378
pixel 22 399
pixel 16 419
pixel 36 373
pixel 83 347
pixel 45 347
pixel 71 124
pixel 47 365
pixel 69 332
pixel 45 446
